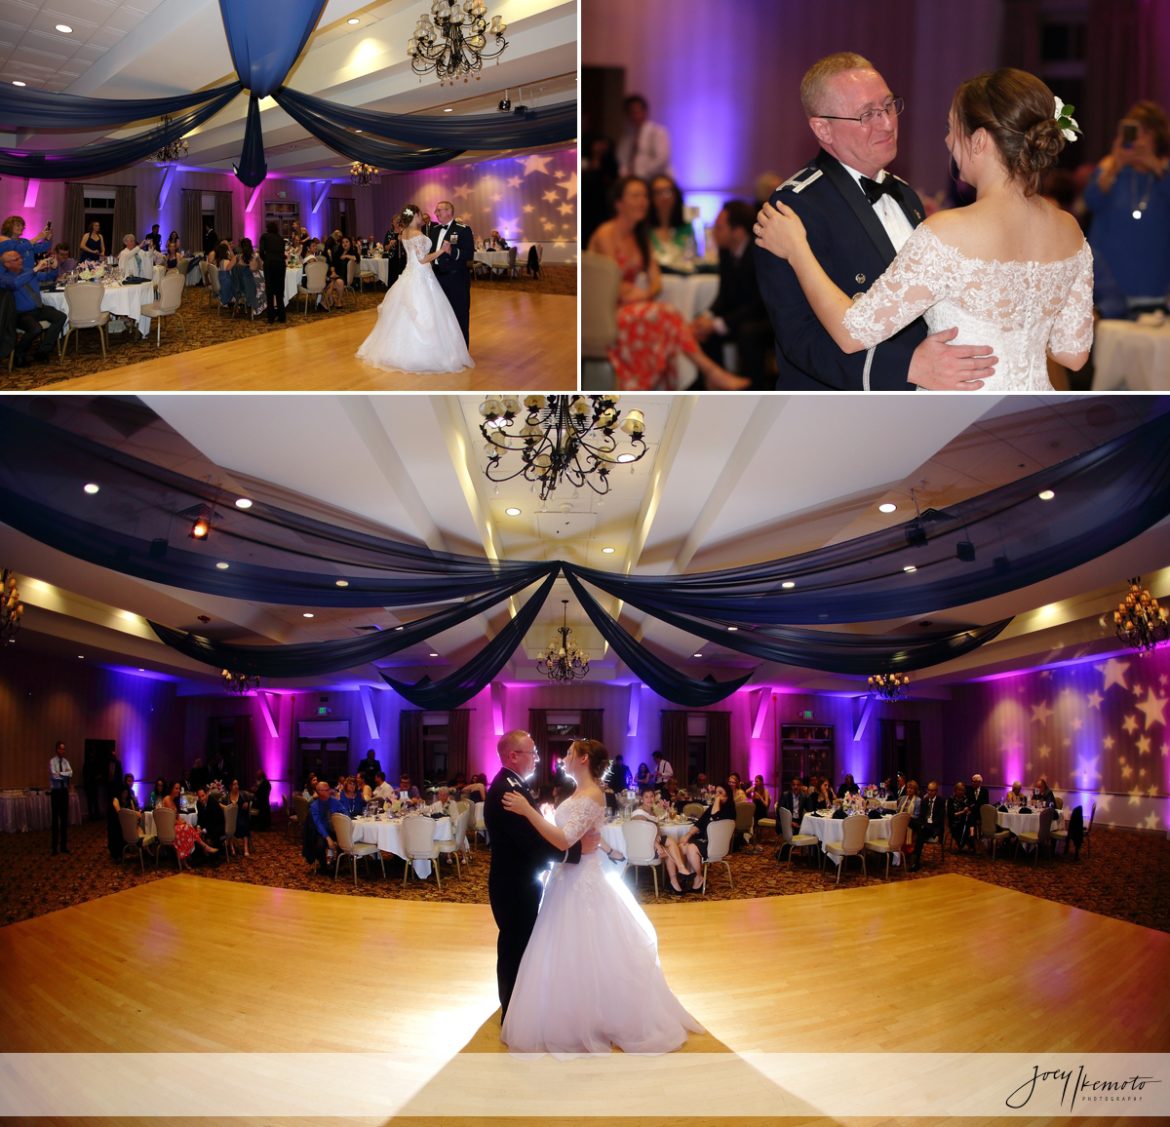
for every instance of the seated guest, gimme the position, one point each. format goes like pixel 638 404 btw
pixel 157 794
pixel 245 280
pixel 735 789
pixel 1014 795
pixel 262 802
pixel 221 260
pixel 959 817
pixel 310 791
pixel 93 244
pixel 209 814
pixel 642 776
pixel 651 334
pixel 910 802
pixel 888 790
pixel 701 786
pixel 848 786
pixel 66 263
pixel 1042 796
pixel 758 797
pixel 666 848
pixel 186 836
pixel 900 785
pixel 411 792
pixel 979 796
pixel 826 795
pixel 693 844
pixel 441 804
pixel 476 790
pixel 319 835
pixel 134 262
pixel 124 799
pixel 12 230
pixel 242 801
pixel 350 801
pixel 793 800
pixel 671 238
pixel 173 253
pixel 930 824
pixel 31 310
pixel 497 240
pixel 382 789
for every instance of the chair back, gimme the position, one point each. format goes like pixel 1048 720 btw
pixel 128 820
pixel 164 825
pixel 418 834
pixel 461 827
pixel 1044 831
pixel 479 823
pixel 462 804
pixel 342 831
pixel 315 274
pixel 640 835
pixel 854 829
pixel 350 271
pixel 1059 803
pixel 182 265
pixel 601 279
pixel 84 303
pixel 988 822
pixel 899 826
pixel 231 814
pixel 1092 815
pixel 300 808
pixel 694 809
pixel 719 839
pixel 745 816
pixel 786 824
pixel 212 278
pixel 170 292
pixel 511 258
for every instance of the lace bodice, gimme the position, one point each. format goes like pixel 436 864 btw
pixel 578 815
pixel 1022 310
pixel 417 247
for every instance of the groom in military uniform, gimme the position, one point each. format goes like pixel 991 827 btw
pixel 453 268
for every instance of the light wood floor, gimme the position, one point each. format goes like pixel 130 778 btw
pixel 949 965
pixel 519 341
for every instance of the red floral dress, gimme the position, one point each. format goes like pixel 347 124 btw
pixel 185 836
pixel 650 335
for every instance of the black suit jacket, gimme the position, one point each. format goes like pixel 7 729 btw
pixel 211 820
pixel 796 804
pixel 738 300
pixel 931 820
pixel 852 246
pixel 460 254
pixel 979 796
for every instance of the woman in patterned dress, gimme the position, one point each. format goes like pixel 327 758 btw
pixel 186 837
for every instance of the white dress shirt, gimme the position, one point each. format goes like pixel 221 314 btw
pixel 889 214
pixel 644 152
pixel 60 772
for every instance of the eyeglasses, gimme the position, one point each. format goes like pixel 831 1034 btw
pixel 891 108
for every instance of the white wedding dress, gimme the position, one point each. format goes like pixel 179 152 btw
pixel 1022 310
pixel 416 329
pixel 590 977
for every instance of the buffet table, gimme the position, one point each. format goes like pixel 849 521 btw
pixel 24 810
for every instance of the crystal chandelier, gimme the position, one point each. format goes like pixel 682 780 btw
pixel 172 150
pixel 454 43
pixel 563 660
pixel 11 608
pixel 560 438
pixel 889 686
pixel 240 683
pixel 1140 619
pixel 362 174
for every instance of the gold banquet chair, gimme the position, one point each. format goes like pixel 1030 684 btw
pixel 354 850
pixel 852 843
pixel 718 846
pixel 895 845
pixel 640 835
pixel 794 841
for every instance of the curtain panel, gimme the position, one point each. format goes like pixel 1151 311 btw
pixel 410 747
pixel 592 724
pixel 74 226
pixel 224 223
pixel 719 764
pixel 125 216
pixel 458 729
pixel 192 220
pixel 538 730
pixel 673 743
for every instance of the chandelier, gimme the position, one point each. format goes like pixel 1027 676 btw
pixel 560 438
pixel 362 174
pixel 11 608
pixel 889 686
pixel 172 150
pixel 1140 619
pixel 455 42
pixel 563 660
pixel 240 683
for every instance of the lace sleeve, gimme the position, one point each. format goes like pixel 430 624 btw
pixel 419 248
pixel 580 817
pixel 1072 328
pixel 915 280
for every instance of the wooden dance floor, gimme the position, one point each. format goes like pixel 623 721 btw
pixel 947 965
pixel 519 341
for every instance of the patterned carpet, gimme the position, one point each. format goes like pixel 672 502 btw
pixel 1124 875
pixel 203 324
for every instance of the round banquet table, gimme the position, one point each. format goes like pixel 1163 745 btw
pixel 148 821
pixel 833 829
pixel 379 266
pixel 690 294
pixel 388 836
pixel 1131 356
pixel 293 276
pixel 22 810
pixel 496 259
pixel 120 301
pixel 1023 823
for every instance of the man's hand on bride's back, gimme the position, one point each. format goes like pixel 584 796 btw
pixel 939 366
pixel 590 842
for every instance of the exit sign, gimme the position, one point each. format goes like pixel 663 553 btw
pixel 806 714
pixel 323 710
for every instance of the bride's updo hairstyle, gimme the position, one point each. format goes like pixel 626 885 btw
pixel 406 216
pixel 1018 112
pixel 597 755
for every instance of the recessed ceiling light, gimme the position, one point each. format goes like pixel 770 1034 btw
pixel 627 457
pixel 512 511
pixel 81 657
pixel 91 487
pixel 909 569
pixel 732 629
pixel 353 20
pixel 607 551
pixel 399 627
pixel 64 29
pixel 696 655
pixel 434 655
pixel 357 130
pixel 341 583
pixel 887 507
pixel 787 584
pixel 449 109
pixel 141 670
pixel 243 503
pixel 1046 495
pixel 17 82
pixel 222 565
pixel 308 614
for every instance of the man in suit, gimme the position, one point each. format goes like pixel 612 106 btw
pixel 30 309
pixel 60 777
pixel 452 269
pixel 738 312
pixel 519 853
pixel 793 801
pixel 931 815
pixel 959 815
pixel 857 217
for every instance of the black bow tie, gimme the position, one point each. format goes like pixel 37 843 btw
pixel 875 189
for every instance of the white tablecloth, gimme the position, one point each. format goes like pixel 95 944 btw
pixel 148 821
pixel 292 281
pixel 379 266
pixel 497 259
pixel 121 301
pixel 690 294
pixel 1023 823
pixel 1128 355
pixel 833 829
pixel 21 811
pixel 389 838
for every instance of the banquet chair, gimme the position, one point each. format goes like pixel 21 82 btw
pixel 765 823
pixel 211 276
pixel 351 276
pixel 298 813
pixel 315 274
pixel 989 830
pixel 458 842
pixel 718 846
pixel 164 828
pixel 478 825
pixel 1059 803
pixel 745 818
pixel 1042 838
pixel 83 304
pixel 794 841
pixel 852 843
pixel 640 835
pixel 601 279
pixel 132 841
pixel 512 271
pixel 1089 827
pixel 170 298
pixel 694 809
pixel 896 844
pixel 1073 833
pixel 463 804
pixel 231 815
pixel 939 840
pixel 418 840
pixel 347 847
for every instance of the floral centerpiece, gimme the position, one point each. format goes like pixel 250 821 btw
pixel 91 272
pixel 871 791
pixel 853 803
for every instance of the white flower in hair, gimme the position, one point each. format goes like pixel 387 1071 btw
pixel 1069 129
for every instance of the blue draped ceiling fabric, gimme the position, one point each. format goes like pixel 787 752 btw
pixel 138 525
pixel 265 39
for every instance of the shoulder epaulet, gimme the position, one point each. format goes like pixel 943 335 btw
pixel 802 179
pixel 898 178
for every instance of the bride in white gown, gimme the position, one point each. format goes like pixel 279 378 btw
pixel 1011 271
pixel 590 977
pixel 416 330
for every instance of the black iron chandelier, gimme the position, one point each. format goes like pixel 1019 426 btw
pixel 1140 619
pixel 241 683
pixel 362 174
pixel 889 686
pixel 455 42
pixel 560 439
pixel 172 150
pixel 563 660
pixel 11 608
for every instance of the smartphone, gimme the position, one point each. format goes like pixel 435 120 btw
pixel 49 225
pixel 1129 131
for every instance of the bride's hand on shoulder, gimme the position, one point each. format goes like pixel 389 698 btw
pixel 779 230
pixel 518 804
